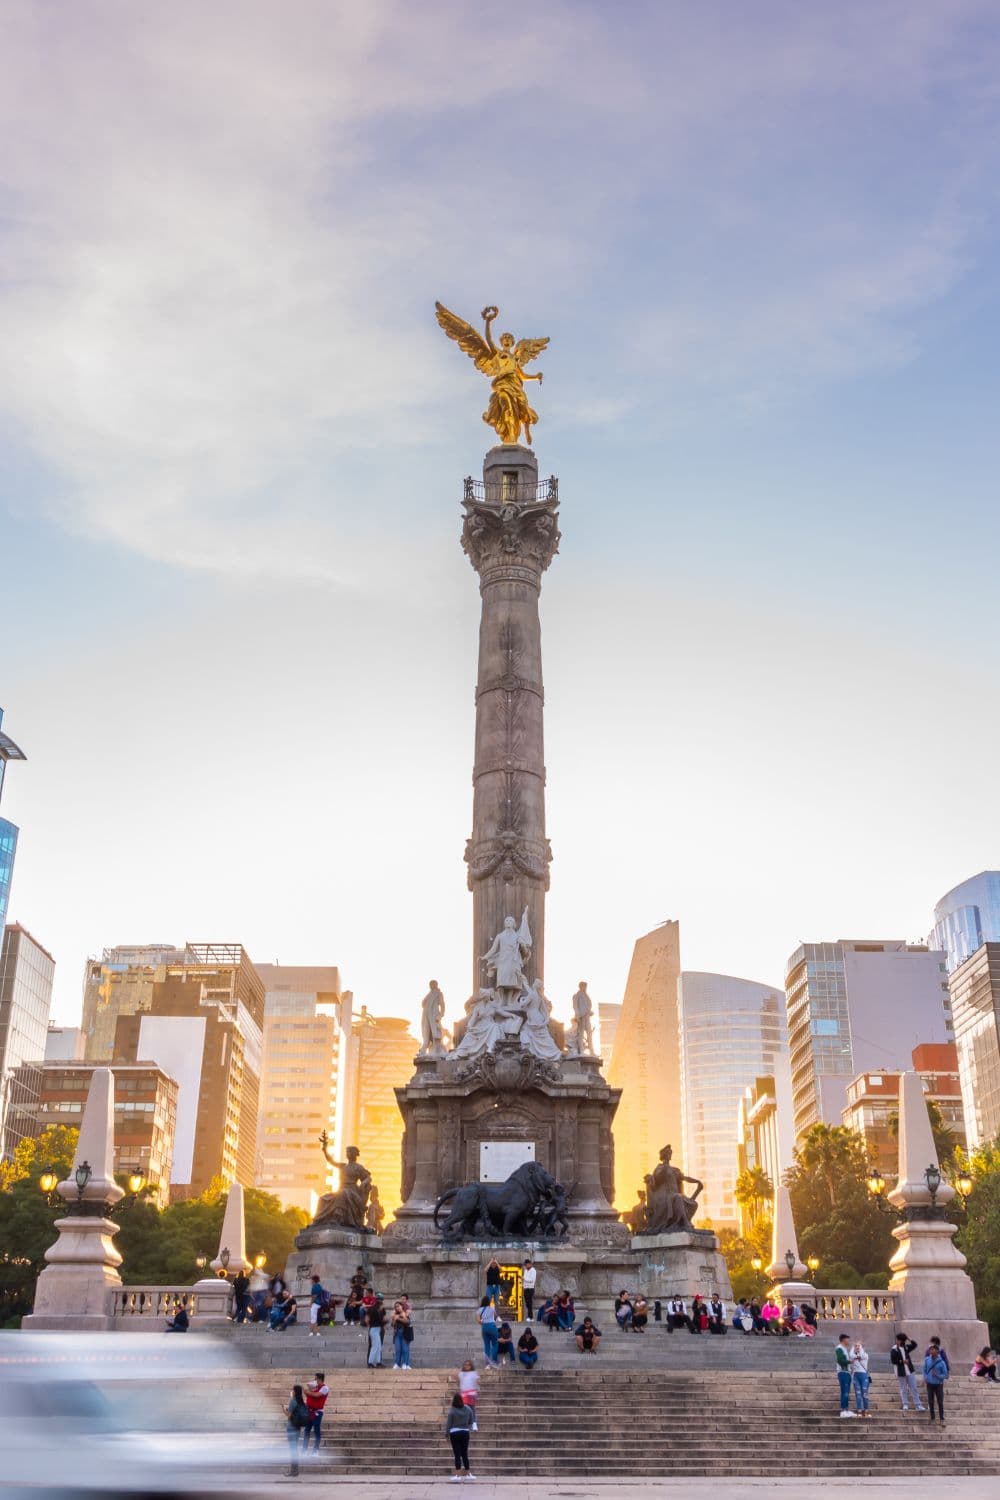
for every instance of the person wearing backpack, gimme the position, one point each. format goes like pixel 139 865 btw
pixel 297 1413
pixel 317 1301
pixel 900 1357
pixel 936 1372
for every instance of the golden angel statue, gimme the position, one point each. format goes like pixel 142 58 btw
pixel 508 410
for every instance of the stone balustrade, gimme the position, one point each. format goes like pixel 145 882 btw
pixel 856 1307
pixel 160 1302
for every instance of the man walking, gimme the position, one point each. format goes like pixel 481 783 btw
pixel 900 1357
pixel 528 1277
pixel 316 1393
pixel 843 1356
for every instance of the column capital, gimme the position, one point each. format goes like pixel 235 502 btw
pixel 510 540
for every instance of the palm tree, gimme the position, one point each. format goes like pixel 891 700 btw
pixel 753 1190
pixel 828 1151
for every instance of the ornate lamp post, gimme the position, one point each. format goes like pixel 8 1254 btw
pixel 81 1176
pixel 790 1261
pixel 812 1262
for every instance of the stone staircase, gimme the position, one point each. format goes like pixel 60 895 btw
pixel 719 1412
pixel 443 1346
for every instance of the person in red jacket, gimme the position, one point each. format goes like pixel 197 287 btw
pixel 316 1393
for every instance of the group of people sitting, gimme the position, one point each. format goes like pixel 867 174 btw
pixel 558 1313
pixel 771 1317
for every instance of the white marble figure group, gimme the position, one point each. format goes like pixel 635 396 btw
pixel 512 1006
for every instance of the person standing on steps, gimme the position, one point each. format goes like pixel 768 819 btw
pixel 936 1372
pixel 902 1364
pixel 843 1357
pixel 241 1297
pixel 317 1296
pixel 528 1277
pixel 491 1335
pixel 459 1425
pixel 860 1377
pixel 375 1318
pixel 493 1281
pixel 468 1386
pixel 316 1393
pixel 402 1334
pixel 297 1415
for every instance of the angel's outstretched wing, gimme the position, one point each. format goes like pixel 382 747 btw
pixel 524 931
pixel 526 349
pixel 468 340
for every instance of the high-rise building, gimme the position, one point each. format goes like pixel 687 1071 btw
pixel 145 1113
pixel 307 1031
pixel 26 975
pixel 967 917
pixel 856 1007
pixel 873 1102
pixel 64 1043
pixel 608 1015
pixel 8 831
pixel 120 983
pixel 975 1003
pixel 383 1050
pixel 764 1135
pixel 645 1061
pixel 202 1025
pixel 731 1031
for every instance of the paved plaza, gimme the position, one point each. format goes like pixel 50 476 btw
pixel 959 1488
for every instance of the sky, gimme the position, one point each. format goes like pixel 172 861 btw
pixel 238 638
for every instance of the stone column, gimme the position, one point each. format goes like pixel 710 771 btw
pixel 76 1289
pixel 791 1279
pixel 928 1269
pixel 511 534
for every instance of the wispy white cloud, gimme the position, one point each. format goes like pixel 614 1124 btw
pixel 223 228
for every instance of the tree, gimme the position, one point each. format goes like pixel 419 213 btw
pixel 754 1191
pixel 834 1213
pixel 979 1235
pixel 27 1217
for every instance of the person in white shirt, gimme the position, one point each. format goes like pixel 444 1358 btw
pixel 528 1277
pixel 677 1315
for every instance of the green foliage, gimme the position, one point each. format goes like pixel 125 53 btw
pixel 834 1212
pixel 159 1247
pixel 754 1192
pixel 839 1275
pixel 739 1251
pixel 27 1217
pixel 979 1235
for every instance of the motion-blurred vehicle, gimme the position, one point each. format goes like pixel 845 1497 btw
pixel 130 1415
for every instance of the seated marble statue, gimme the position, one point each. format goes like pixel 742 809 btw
pixel 668 1208
pixel 486 1024
pixel 535 1035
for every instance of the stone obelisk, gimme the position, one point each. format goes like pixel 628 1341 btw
pixel 511 534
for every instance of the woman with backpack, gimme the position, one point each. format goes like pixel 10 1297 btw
pixel 297 1413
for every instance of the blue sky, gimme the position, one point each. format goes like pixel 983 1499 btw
pixel 239 632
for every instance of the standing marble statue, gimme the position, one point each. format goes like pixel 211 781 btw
pixel 583 1021
pixel 507 955
pixel 348 1206
pixel 431 1018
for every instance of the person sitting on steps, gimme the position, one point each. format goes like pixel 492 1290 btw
pixel 588 1336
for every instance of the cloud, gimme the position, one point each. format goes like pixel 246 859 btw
pixel 223 228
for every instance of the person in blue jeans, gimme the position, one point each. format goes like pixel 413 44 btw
pixel 936 1372
pixel 527 1349
pixel 493 1279
pixel 843 1357
pixel 861 1378
pixel 491 1335
pixel 402 1332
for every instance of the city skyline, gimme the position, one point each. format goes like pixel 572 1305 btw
pixel 234 445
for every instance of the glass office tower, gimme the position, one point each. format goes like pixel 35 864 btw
pixel 731 1031
pixel 967 917
pixel 8 831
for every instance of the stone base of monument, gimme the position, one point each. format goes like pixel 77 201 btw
pixel 75 1291
pixel 680 1264
pixel 334 1254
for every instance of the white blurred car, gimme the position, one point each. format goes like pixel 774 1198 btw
pixel 129 1414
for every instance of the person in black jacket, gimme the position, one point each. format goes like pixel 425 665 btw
pixel 493 1281
pixel 899 1356
pixel 241 1297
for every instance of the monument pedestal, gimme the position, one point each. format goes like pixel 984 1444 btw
pixel 76 1290
pixel 333 1253
pixel 681 1263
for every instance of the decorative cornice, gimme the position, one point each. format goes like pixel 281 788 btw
pixel 512 539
